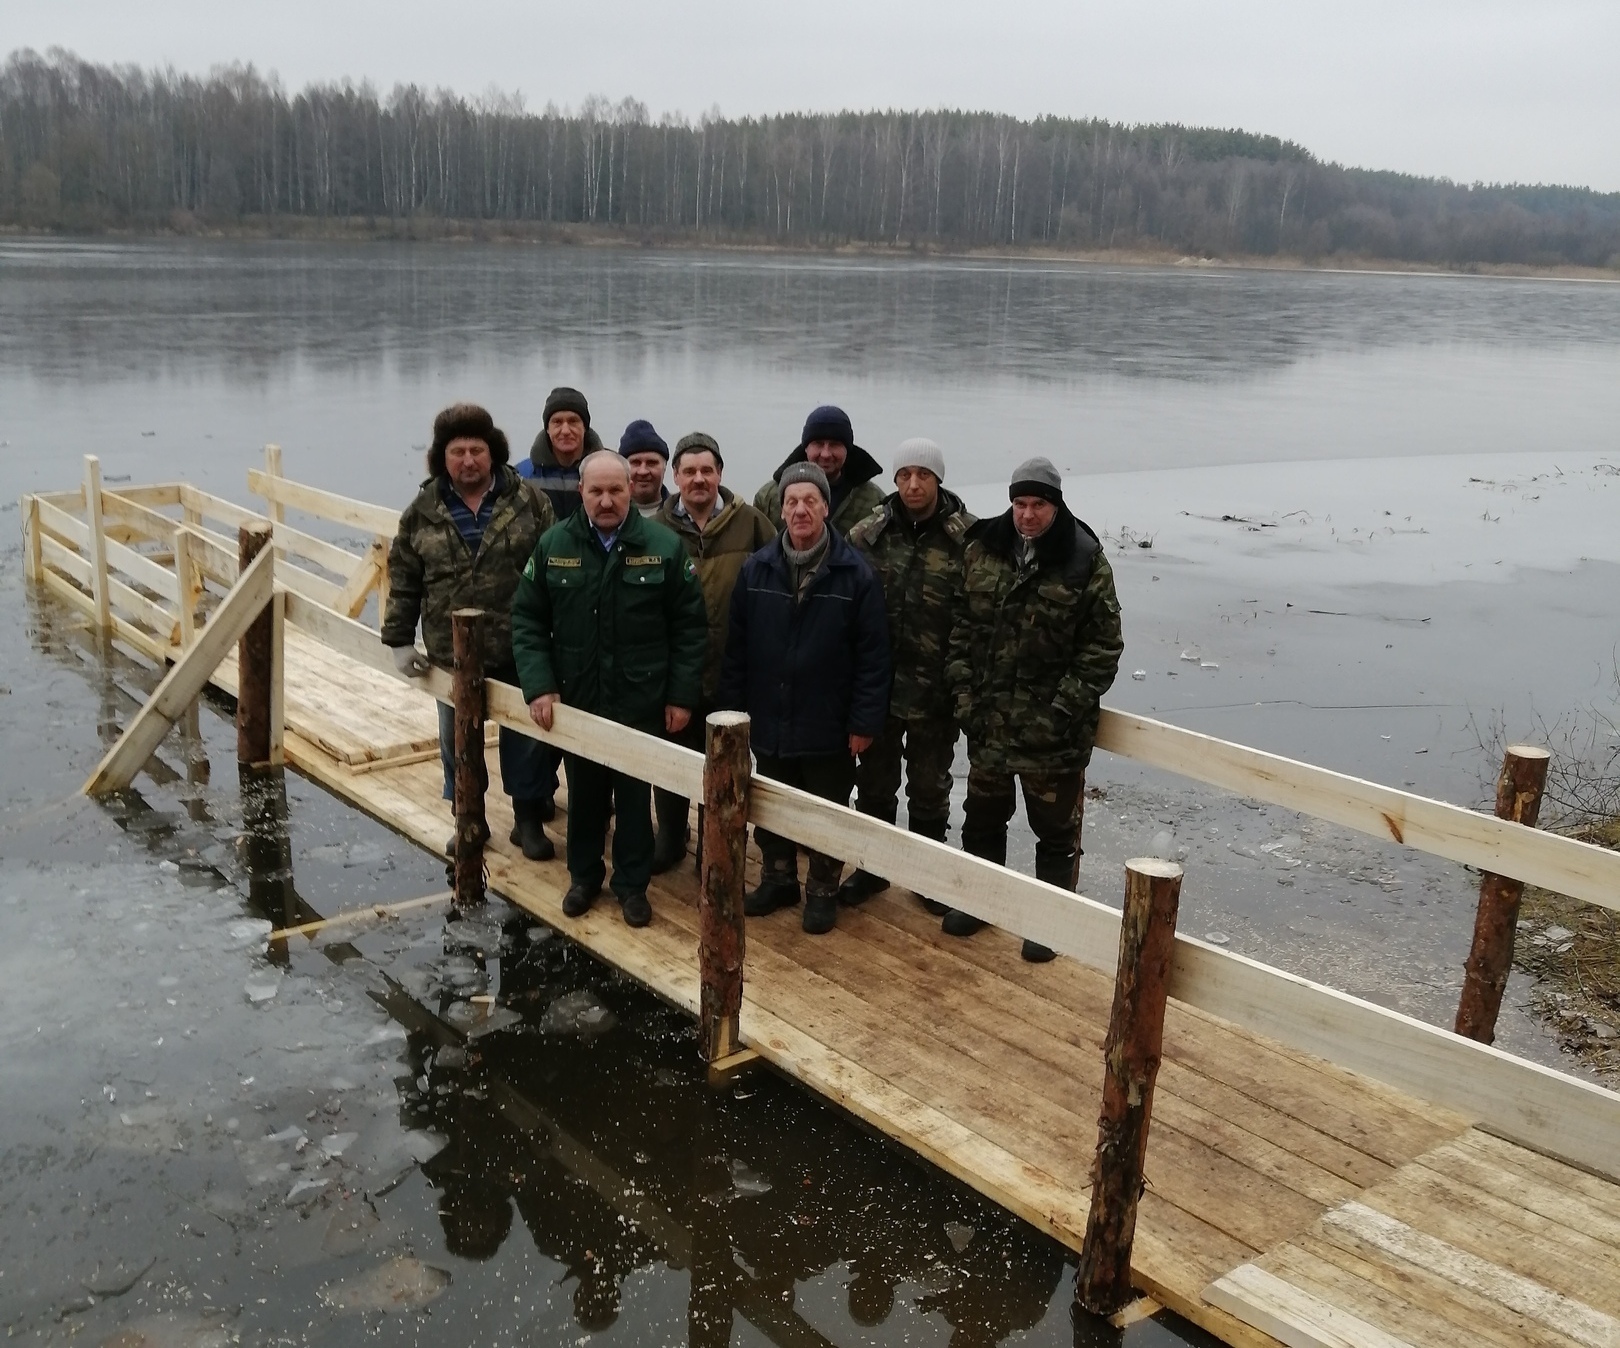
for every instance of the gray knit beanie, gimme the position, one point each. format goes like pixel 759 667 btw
pixel 920 452
pixel 1036 477
pixel 805 472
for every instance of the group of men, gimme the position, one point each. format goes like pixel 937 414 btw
pixel 862 633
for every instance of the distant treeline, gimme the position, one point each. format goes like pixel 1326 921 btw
pixel 87 147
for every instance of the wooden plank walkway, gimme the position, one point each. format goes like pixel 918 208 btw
pixel 1289 1200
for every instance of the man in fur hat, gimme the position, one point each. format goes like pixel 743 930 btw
pixel 1035 645
pixel 463 543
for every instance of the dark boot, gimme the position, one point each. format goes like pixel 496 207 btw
pixel 958 923
pixel 777 889
pixel 579 898
pixel 528 831
pixel 1055 868
pixel 820 909
pixel 860 887
pixel 669 848
pixel 938 830
pixel 637 911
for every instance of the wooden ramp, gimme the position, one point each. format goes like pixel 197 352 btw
pixel 1290 1199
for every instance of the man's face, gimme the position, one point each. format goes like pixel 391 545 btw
pixel 566 431
pixel 804 513
pixel 1032 515
pixel 827 455
pixel 697 479
pixel 605 490
pixel 919 491
pixel 468 464
pixel 646 477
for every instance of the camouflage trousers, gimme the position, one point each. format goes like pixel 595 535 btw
pixel 928 748
pixel 1055 804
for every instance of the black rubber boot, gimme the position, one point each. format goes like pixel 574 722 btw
pixel 579 898
pixel 529 833
pixel 860 887
pixel 776 890
pixel 637 911
pixel 820 910
pixel 669 848
pixel 958 923
pixel 938 830
pixel 1055 869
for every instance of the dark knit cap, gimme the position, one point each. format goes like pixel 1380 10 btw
pixel 699 442
pixel 465 421
pixel 1036 477
pixel 565 399
pixel 640 438
pixel 805 472
pixel 828 423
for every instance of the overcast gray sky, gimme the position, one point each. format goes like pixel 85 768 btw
pixel 1525 90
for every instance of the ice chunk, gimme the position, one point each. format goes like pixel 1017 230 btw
pixel 577 1012
pixel 747 1182
pixel 959 1235
pixel 399 1285
pixel 338 1143
pixel 305 1189
pixel 1217 938
pixel 262 987
pixel 1139 674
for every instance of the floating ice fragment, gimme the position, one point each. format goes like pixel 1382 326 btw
pixel 1191 657
pixel 422 1146
pixel 1139 674
pixel 959 1235
pixel 577 1012
pixel 169 866
pixel 305 1188
pixel 252 932
pixel 338 1143
pixel 262 987
pixel 748 1183
pixel 1217 938
pixel 399 1285
pixel 1208 664
pixel 291 1133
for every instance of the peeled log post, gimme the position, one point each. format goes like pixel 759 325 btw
pixel 255 665
pixel 472 771
pixel 1147 937
pixel 1518 800
pixel 726 775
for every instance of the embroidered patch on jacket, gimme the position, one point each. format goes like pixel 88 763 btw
pixel 643 561
pixel 564 561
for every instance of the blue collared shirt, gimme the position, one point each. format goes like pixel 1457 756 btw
pixel 606 540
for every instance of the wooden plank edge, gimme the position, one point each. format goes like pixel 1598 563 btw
pixel 1292 1315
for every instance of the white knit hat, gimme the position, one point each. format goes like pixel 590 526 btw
pixel 920 452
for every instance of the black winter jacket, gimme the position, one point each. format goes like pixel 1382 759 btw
pixel 809 673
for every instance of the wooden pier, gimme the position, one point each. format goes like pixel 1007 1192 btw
pixel 1320 1171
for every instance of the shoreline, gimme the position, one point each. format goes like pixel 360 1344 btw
pixel 362 229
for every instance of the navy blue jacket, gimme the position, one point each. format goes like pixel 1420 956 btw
pixel 809 673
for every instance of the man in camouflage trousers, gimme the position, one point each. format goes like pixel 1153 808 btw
pixel 462 544
pixel 914 541
pixel 1035 646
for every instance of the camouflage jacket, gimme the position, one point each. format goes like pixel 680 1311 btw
pixel 855 496
pixel 431 573
pixel 921 571
pixel 619 633
pixel 734 533
pixel 1034 647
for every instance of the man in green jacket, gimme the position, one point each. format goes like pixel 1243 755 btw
pixel 828 442
pixel 462 544
pixel 720 532
pixel 914 541
pixel 1035 645
pixel 609 618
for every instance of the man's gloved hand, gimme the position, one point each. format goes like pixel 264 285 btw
pixel 410 662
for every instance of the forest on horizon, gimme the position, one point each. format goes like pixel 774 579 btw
pixel 86 148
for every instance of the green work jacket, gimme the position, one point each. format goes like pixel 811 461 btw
pixel 620 633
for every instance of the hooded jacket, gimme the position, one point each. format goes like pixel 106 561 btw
pixel 854 496
pixel 431 573
pixel 920 566
pixel 618 633
pixel 1033 648
pixel 733 534
pixel 561 485
pixel 813 669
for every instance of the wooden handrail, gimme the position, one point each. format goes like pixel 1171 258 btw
pixel 326 505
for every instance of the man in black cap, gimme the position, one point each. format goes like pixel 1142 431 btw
pixel 647 455
pixel 565 439
pixel 807 657
pixel 1035 645
pixel 828 442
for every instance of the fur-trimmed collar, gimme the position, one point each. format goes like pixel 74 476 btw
pixel 1070 544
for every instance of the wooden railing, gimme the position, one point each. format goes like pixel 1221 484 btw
pixel 1520 1100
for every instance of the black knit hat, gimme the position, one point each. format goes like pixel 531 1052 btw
pixel 466 421
pixel 640 438
pixel 828 423
pixel 565 399
pixel 1036 477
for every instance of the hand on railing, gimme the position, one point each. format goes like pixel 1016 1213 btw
pixel 540 709
pixel 676 719
pixel 410 662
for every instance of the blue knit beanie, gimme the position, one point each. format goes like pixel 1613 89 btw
pixel 640 438
pixel 828 423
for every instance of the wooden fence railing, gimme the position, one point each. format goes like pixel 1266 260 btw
pixel 1520 1100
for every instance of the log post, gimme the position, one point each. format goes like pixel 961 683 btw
pixel 726 776
pixel 255 665
pixel 1490 958
pixel 97 542
pixel 472 771
pixel 185 574
pixel 1147 937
